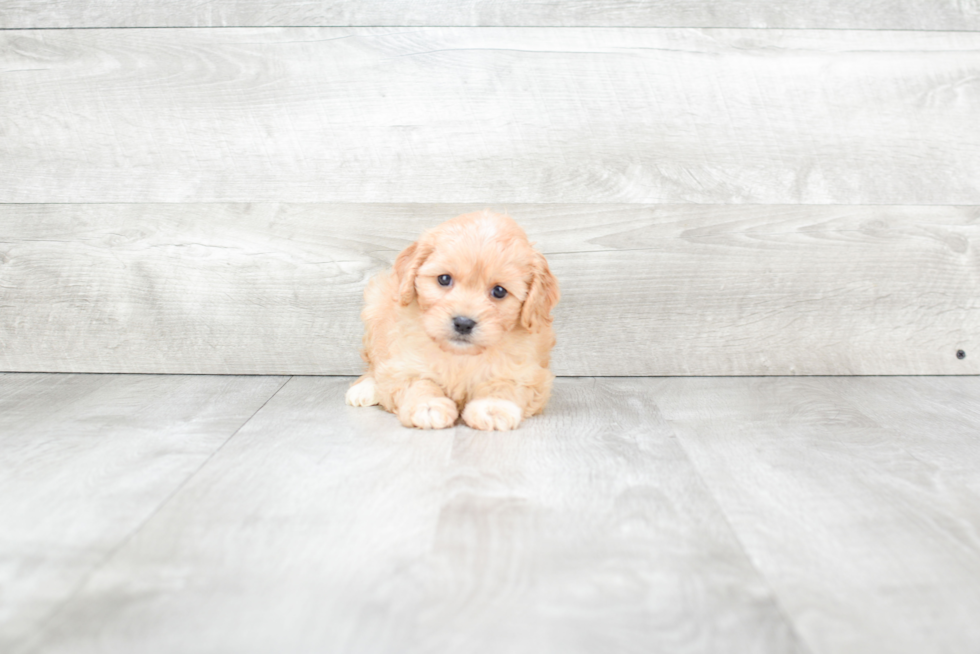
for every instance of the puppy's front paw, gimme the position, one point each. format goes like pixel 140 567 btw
pixel 433 413
pixel 491 413
pixel 362 393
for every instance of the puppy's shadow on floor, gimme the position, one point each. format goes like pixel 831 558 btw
pixel 571 406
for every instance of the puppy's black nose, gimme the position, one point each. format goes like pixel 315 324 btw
pixel 463 325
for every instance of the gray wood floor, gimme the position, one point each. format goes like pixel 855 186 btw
pixel 259 514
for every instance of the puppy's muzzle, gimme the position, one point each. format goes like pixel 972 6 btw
pixel 463 325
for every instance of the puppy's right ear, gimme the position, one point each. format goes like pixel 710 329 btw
pixel 407 267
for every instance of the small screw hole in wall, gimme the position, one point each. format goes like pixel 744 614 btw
pixel 960 354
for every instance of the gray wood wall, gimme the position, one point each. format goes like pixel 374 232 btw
pixel 210 195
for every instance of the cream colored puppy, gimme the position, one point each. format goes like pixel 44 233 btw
pixel 462 323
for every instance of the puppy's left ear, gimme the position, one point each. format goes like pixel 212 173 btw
pixel 541 297
pixel 407 267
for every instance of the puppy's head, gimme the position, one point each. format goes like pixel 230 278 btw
pixel 475 278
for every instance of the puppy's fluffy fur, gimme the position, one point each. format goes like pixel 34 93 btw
pixel 424 365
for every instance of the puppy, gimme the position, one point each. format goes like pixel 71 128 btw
pixel 460 326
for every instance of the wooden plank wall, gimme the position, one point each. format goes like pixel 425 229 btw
pixel 817 14
pixel 715 201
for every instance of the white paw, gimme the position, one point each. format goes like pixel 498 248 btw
pixel 434 413
pixel 491 413
pixel 362 393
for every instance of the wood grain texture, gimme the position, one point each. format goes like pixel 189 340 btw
pixel 84 460
pixel 321 527
pixel 872 14
pixel 647 290
pixel 856 498
pixel 487 115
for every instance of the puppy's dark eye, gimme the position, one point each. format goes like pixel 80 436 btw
pixel 498 292
pixel 444 280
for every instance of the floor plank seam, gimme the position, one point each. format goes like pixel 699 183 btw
pixel 776 599
pixel 28 644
